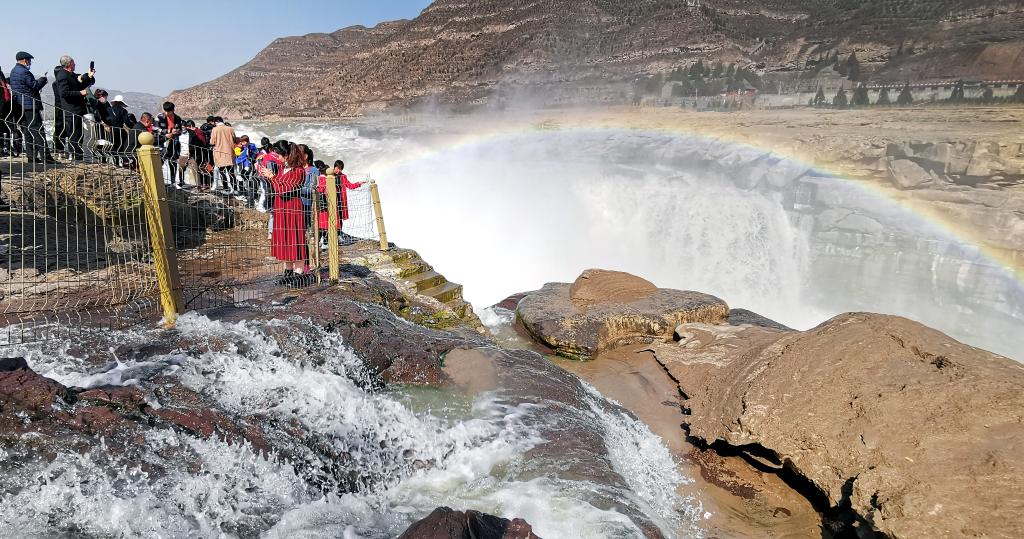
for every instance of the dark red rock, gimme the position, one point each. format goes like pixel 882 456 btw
pixel 129 398
pixel 446 523
pixel 24 390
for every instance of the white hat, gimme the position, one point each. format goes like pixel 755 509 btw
pixel 117 99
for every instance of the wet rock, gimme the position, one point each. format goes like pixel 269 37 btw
pixel 743 317
pixel 24 392
pixel 446 523
pixel 578 322
pixel 601 286
pixel 907 174
pixel 914 433
pixel 392 348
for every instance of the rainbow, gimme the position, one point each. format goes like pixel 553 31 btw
pixel 928 214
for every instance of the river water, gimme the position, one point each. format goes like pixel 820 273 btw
pixel 504 214
pixel 407 451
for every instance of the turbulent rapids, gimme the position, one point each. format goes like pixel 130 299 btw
pixel 276 427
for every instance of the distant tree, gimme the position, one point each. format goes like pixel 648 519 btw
pixel 883 97
pixel 986 94
pixel 840 101
pixel 1018 96
pixel 697 70
pixel 718 70
pixel 853 67
pixel 905 97
pixel 958 92
pixel 730 71
pixel 860 96
pixel 819 98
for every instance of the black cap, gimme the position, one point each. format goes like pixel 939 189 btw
pixel 23 56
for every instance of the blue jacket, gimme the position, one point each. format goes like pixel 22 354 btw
pixel 247 157
pixel 26 87
pixel 309 186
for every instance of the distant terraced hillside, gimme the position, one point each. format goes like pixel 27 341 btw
pixel 487 52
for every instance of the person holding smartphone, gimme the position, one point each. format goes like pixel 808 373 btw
pixel 73 90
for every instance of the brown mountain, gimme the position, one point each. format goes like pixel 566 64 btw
pixel 487 52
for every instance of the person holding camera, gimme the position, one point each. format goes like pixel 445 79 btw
pixel 25 87
pixel 73 90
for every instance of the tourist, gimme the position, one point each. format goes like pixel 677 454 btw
pixel 170 127
pixel 265 158
pixel 245 160
pixel 223 140
pixel 342 186
pixel 102 112
pixel 199 153
pixel 118 126
pixel 25 89
pixel 73 89
pixel 308 190
pixel 58 114
pixel 288 238
pixel 7 131
pixel 207 129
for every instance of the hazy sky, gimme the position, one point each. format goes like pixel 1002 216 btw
pixel 159 46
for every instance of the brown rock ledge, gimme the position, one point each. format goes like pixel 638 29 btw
pixel 915 433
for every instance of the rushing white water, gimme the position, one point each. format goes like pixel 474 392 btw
pixel 470 454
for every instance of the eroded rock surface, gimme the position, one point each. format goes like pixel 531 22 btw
pixel 570 319
pixel 918 434
pixel 446 523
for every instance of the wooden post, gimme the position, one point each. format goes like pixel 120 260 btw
pixel 158 216
pixel 375 196
pixel 333 252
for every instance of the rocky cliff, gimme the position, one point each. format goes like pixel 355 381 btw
pixel 562 52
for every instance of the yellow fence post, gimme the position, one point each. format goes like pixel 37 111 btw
pixel 375 196
pixel 333 253
pixel 158 216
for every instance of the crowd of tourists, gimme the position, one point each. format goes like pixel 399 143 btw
pixel 280 177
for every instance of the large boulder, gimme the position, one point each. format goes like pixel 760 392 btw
pixel 915 433
pixel 446 523
pixel 604 310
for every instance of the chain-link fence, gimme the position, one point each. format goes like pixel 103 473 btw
pixel 77 246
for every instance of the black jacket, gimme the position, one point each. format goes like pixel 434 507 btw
pixel 118 116
pixel 69 89
pixel 56 94
pixel 103 112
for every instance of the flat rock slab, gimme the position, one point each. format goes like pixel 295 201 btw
pixel 921 435
pixel 582 328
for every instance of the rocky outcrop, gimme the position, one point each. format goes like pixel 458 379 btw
pixel 915 433
pixel 446 523
pixel 578 322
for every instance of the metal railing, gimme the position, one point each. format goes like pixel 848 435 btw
pixel 95 229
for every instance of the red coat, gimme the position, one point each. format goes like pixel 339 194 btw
pixel 288 237
pixel 342 187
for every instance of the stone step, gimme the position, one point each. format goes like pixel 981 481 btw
pixel 459 306
pixel 403 270
pixel 426 280
pixel 445 292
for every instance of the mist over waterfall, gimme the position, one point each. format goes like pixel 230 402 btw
pixel 506 214
pixel 511 224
